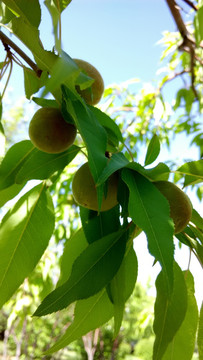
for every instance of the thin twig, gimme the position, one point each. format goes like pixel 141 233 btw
pixel 9 43
pixel 190 3
pixel 188 44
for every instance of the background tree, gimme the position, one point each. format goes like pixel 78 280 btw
pixel 97 246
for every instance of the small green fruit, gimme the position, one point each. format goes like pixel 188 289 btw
pixel 179 202
pixel 91 95
pixel 84 190
pixel 49 132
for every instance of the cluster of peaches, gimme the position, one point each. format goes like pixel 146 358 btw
pixel 49 132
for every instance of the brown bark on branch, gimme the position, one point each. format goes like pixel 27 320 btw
pixel 188 43
pixel 9 43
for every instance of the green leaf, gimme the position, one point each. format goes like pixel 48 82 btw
pixel 29 10
pixel 41 165
pixel 169 313
pixel 188 96
pixel 45 102
pixel 149 209
pixel 197 219
pixel 107 122
pixel 32 82
pixel 183 343
pixel 122 286
pixel 64 70
pixel 24 235
pixel 73 248
pixel 193 171
pixel 198 23
pixel 89 314
pixel 9 193
pixel 153 150
pixel 6 14
pixel 96 225
pixel 13 161
pixel 2 137
pixel 62 4
pixel 93 134
pixel 91 271
pixel 29 35
pixel 117 162
pixel 159 172
pixel 200 335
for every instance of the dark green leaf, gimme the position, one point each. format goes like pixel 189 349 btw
pixel 153 150
pixel 169 312
pixel 41 165
pixel 24 235
pixel 93 134
pixel 91 271
pixel 116 162
pixel 73 248
pixel 13 161
pixel 96 225
pixel 149 209
pixel 107 122
pixel 183 343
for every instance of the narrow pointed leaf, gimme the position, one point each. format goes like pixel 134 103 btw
pixel 73 248
pixel 192 168
pixel 183 343
pixel 41 165
pixel 24 235
pixel 9 193
pixel 93 134
pixel 122 285
pixel 13 161
pixel 150 211
pixel 169 313
pixel 89 314
pixel 153 150
pixel 200 334
pixel 91 271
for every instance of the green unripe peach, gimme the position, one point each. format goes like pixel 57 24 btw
pixel 93 94
pixel 179 202
pixel 84 190
pixel 49 132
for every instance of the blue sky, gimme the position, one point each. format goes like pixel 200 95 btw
pixel 119 37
